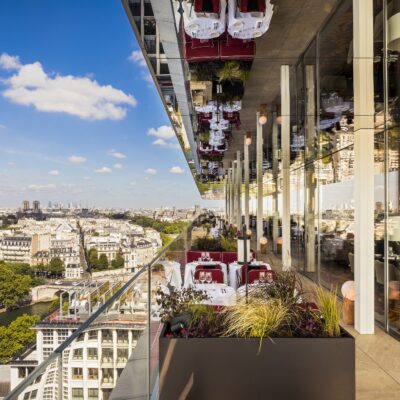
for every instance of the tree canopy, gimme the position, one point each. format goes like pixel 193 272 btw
pixel 17 336
pixel 14 287
pixel 160 226
pixel 56 266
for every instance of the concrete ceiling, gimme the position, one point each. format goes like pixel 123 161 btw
pixel 293 26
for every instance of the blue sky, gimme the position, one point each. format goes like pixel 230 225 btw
pixel 78 115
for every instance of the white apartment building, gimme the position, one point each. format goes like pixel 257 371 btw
pixel 108 245
pixel 16 248
pixel 138 254
pixel 92 363
pixel 73 271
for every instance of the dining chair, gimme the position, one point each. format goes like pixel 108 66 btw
pixel 217 275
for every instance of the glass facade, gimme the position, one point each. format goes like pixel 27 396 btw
pixel 322 158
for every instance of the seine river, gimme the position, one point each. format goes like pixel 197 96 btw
pixel 9 316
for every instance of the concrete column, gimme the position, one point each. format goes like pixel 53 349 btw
pixel 310 176
pixel 235 192
pixel 239 179
pixel 363 165
pixel 226 188
pixel 231 203
pixel 260 188
pixel 246 186
pixel 275 177
pixel 285 140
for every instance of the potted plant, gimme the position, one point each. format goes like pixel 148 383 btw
pixel 278 344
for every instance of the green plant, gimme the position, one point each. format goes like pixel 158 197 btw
pixel 233 71
pixel 178 302
pixel 285 287
pixel 206 244
pixel 256 318
pixel 330 311
pixel 204 136
pixel 228 244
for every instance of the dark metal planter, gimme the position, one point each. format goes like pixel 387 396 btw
pixel 232 369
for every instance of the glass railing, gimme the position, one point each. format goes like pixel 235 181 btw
pixel 112 350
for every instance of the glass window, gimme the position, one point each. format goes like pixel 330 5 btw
pixel 21 372
pixel 393 158
pixel 164 69
pixel 93 373
pixel 92 353
pixel 135 8
pixel 77 354
pixel 92 335
pixel 77 373
pixel 93 394
pixel 149 26
pixel 77 394
pixel 148 10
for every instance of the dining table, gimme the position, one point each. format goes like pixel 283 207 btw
pixel 190 269
pixel 219 294
pixel 172 270
pixel 234 270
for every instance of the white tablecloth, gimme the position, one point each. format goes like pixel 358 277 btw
pixel 219 294
pixel 190 269
pixel 235 267
pixel 173 273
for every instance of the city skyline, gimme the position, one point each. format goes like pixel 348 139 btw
pixel 80 119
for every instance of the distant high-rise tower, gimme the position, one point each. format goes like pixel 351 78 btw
pixel 196 210
pixel 50 205
pixel 36 206
pixel 25 205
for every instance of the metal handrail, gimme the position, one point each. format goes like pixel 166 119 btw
pixel 59 350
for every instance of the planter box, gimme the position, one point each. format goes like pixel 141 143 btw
pixel 232 369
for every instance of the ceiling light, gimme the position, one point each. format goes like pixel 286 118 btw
pixel 247 139
pixel 263 118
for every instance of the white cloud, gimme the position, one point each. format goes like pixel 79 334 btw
pixel 77 159
pixel 147 77
pixel 132 183
pixel 163 132
pixel 118 166
pixel 54 172
pixel 102 170
pixel 165 137
pixel 137 58
pixel 9 62
pixel 151 171
pixel 86 178
pixel 11 164
pixel 79 96
pixel 176 170
pixel 42 187
pixel 160 142
pixel 116 154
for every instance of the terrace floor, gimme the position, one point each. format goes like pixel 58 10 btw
pixel 377 357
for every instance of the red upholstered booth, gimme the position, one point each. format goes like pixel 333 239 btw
pixel 197 50
pixel 236 49
pixel 229 257
pixel 217 275
pixel 208 6
pixel 254 275
pixel 209 267
pixel 252 5
pixel 194 255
